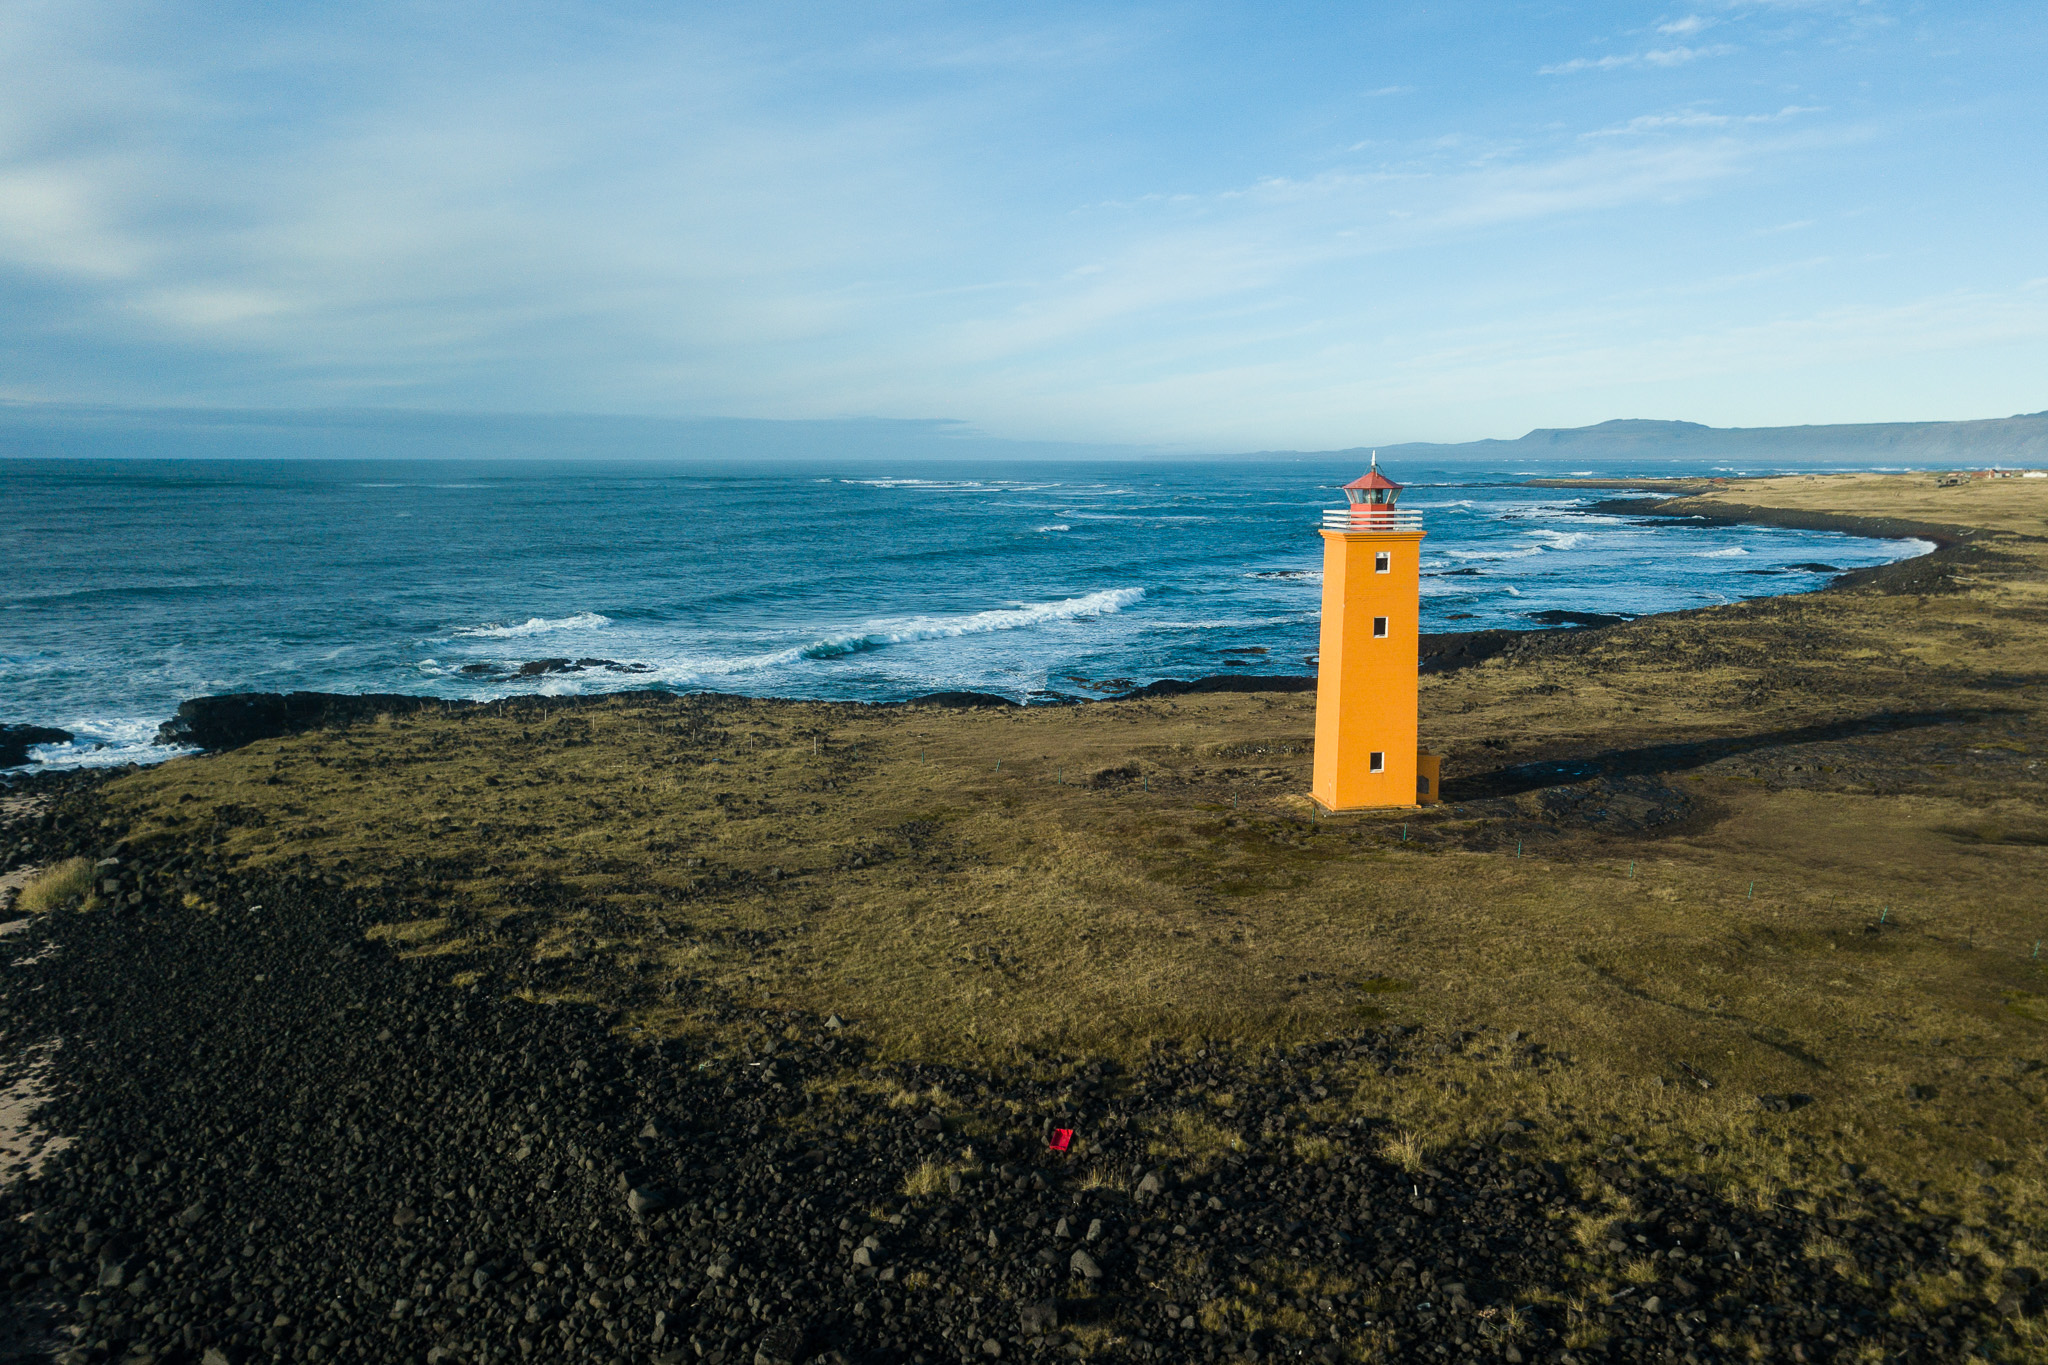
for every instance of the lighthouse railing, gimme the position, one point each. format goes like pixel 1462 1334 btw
pixel 1363 518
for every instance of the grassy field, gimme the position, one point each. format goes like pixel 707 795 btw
pixel 1790 849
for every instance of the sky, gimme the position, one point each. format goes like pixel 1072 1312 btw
pixel 1189 226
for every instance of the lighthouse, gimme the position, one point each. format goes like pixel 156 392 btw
pixel 1366 725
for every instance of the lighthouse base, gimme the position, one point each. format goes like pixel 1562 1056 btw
pixel 1428 788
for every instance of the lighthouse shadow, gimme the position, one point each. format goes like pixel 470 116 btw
pixel 1658 760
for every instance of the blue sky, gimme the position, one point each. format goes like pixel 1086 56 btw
pixel 1196 226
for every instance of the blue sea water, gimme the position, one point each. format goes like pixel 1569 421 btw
pixel 131 585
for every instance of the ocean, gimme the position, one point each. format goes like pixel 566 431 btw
pixel 131 585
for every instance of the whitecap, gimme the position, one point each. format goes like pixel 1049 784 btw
pixel 1729 553
pixel 535 625
pixel 1056 527
pixel 938 485
pixel 881 633
pixel 878 634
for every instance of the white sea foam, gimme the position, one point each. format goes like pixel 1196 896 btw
pixel 1559 540
pixel 916 483
pixel 104 742
pixel 535 625
pixel 1731 552
pixel 690 669
pixel 878 634
pixel 1061 526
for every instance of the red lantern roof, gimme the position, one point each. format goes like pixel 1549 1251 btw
pixel 1375 479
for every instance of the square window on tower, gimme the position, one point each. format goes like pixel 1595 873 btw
pixel 1378 763
pixel 1382 562
pixel 1379 627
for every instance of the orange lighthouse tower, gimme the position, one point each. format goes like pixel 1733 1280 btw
pixel 1366 751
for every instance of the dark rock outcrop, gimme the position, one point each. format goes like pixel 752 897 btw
pixel 1463 648
pixel 960 699
pixel 1223 682
pixel 1577 618
pixel 16 740
pixel 238 718
pixel 534 668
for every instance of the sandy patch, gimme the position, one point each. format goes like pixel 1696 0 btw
pixel 24 1146
pixel 10 887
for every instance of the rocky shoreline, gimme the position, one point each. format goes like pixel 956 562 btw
pixel 228 721
pixel 287 1144
pixel 231 720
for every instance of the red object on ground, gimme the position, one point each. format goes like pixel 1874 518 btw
pixel 1061 1137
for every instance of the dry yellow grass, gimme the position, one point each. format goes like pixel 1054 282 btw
pixel 57 887
pixel 1845 906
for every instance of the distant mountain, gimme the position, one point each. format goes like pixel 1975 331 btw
pixel 2020 440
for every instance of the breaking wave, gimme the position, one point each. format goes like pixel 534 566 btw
pixel 883 633
pixel 535 625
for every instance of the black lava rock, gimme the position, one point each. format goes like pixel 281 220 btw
pixel 16 740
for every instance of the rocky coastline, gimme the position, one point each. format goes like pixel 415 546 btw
pixel 230 720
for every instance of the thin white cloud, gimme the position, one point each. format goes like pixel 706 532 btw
pixel 1668 56
pixel 1266 236
pixel 1686 27
pixel 1692 119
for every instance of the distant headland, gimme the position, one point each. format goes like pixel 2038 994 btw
pixel 1997 441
